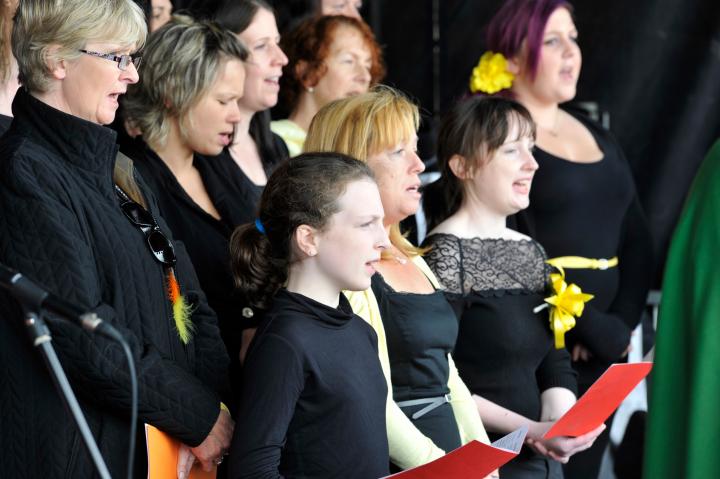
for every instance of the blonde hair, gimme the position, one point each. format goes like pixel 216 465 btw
pixel 365 125
pixel 183 59
pixel 6 13
pixel 56 30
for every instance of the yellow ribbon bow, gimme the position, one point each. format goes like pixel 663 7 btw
pixel 566 304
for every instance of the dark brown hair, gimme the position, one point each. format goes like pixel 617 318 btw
pixel 310 42
pixel 474 129
pixel 237 15
pixel 302 191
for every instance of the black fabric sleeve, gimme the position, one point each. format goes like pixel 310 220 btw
pixel 607 335
pixel 273 381
pixel 211 359
pixel 43 238
pixel 555 370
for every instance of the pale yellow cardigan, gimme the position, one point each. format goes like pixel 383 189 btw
pixel 408 446
pixel 291 133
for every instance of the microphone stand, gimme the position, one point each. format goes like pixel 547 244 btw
pixel 40 336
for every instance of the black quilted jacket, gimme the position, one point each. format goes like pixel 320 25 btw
pixel 60 224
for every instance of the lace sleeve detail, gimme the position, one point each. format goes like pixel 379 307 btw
pixel 445 260
pixel 483 265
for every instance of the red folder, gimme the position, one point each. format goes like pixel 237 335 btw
pixel 473 460
pixel 599 402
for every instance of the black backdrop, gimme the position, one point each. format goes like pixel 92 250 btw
pixel 653 65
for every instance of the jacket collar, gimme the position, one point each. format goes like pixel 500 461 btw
pixel 85 144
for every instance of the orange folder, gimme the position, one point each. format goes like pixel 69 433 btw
pixel 473 460
pixel 162 451
pixel 599 402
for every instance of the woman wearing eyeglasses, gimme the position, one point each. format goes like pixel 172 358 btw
pixel 186 105
pixel 78 222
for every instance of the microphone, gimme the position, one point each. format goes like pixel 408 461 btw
pixel 30 294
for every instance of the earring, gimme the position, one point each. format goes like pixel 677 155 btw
pixel 312 252
pixel 310 89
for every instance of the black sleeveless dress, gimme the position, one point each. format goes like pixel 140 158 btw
pixel 504 352
pixel 420 331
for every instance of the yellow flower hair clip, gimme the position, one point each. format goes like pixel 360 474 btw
pixel 566 303
pixel 491 74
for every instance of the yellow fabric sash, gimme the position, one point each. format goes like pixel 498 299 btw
pixel 568 301
pixel 578 262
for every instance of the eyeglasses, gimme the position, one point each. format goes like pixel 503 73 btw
pixel 123 61
pixel 159 244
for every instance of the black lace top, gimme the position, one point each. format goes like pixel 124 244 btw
pixel 504 351
pixel 487 266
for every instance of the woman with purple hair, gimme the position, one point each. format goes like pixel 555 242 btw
pixel 583 202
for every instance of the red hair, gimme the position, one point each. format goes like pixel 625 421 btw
pixel 310 42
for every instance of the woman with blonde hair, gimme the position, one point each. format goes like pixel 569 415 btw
pixel 77 220
pixel 8 66
pixel 429 410
pixel 186 106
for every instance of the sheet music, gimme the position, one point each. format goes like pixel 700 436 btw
pixel 513 441
pixel 600 400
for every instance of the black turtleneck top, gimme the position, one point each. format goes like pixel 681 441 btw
pixel 314 396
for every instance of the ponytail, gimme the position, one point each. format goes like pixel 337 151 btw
pixel 258 275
